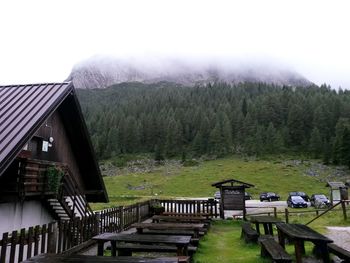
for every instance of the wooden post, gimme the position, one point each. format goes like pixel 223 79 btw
pixel 3 247
pixel 138 213
pixel 14 239
pixel 51 238
pixel 275 211
pixel 121 219
pixel 96 223
pixel 286 213
pixel 344 209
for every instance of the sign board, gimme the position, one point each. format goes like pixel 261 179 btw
pixel 233 197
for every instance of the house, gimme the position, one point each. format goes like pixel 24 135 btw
pixel 48 170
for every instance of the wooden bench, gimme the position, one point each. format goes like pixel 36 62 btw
pixel 248 233
pixel 270 248
pixel 126 249
pixel 340 252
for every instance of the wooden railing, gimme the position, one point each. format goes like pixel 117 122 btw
pixel 70 188
pixel 209 206
pixel 64 236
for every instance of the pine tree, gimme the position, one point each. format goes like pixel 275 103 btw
pixel 315 144
pixel 345 147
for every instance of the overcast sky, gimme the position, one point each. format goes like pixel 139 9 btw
pixel 40 41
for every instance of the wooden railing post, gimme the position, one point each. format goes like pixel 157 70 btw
pixel 138 213
pixel 51 238
pixel 286 213
pixel 3 247
pixel 344 209
pixel 275 211
pixel 121 219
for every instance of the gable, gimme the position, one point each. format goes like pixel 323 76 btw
pixel 25 108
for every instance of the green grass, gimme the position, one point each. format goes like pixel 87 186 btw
pixel 195 181
pixel 223 244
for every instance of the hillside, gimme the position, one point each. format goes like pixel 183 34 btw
pixel 279 174
pixel 102 72
pixel 169 120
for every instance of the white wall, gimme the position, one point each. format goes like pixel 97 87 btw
pixel 17 215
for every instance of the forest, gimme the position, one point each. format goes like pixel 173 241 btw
pixel 171 120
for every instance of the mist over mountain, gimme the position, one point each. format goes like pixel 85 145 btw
pixel 102 71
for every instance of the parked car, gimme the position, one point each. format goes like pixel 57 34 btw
pixel 296 201
pixel 301 194
pixel 269 196
pixel 319 200
pixel 217 195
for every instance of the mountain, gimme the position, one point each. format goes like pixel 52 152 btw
pixel 101 72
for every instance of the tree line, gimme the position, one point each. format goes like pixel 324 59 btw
pixel 171 120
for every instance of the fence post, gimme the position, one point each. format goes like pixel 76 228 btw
pixel 344 209
pixel 96 223
pixel 121 218
pixel 3 247
pixel 138 213
pixel 275 211
pixel 51 237
pixel 286 213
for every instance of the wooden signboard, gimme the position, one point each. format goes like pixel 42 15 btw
pixel 233 197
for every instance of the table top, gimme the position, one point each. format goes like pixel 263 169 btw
pixel 157 226
pixel 144 238
pixel 179 218
pixel 264 219
pixel 54 258
pixel 300 231
pixel 185 214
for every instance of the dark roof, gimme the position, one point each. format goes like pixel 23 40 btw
pixel 24 108
pixel 336 185
pixel 218 184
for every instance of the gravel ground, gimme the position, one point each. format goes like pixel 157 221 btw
pixel 340 236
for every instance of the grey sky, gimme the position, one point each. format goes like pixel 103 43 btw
pixel 42 40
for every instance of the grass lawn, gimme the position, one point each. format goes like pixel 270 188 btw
pixel 223 244
pixel 267 175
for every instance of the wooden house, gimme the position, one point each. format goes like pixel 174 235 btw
pixel 48 170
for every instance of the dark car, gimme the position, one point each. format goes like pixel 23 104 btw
pixel 301 194
pixel 269 196
pixel 296 201
pixel 319 200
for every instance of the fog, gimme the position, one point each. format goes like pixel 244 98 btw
pixel 42 41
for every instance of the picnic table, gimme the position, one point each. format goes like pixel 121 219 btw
pixel 298 233
pixel 179 219
pixel 206 215
pixel 181 242
pixel 58 258
pixel 195 228
pixel 266 221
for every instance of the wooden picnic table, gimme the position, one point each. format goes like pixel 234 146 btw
pixel 298 233
pixel 206 215
pixel 196 228
pixel 266 221
pixel 58 258
pixel 179 219
pixel 181 242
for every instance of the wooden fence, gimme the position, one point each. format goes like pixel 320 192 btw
pixel 57 237
pixel 209 206
pixel 61 236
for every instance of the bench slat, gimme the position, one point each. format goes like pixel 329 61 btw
pixel 248 233
pixel 269 247
pixel 340 252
